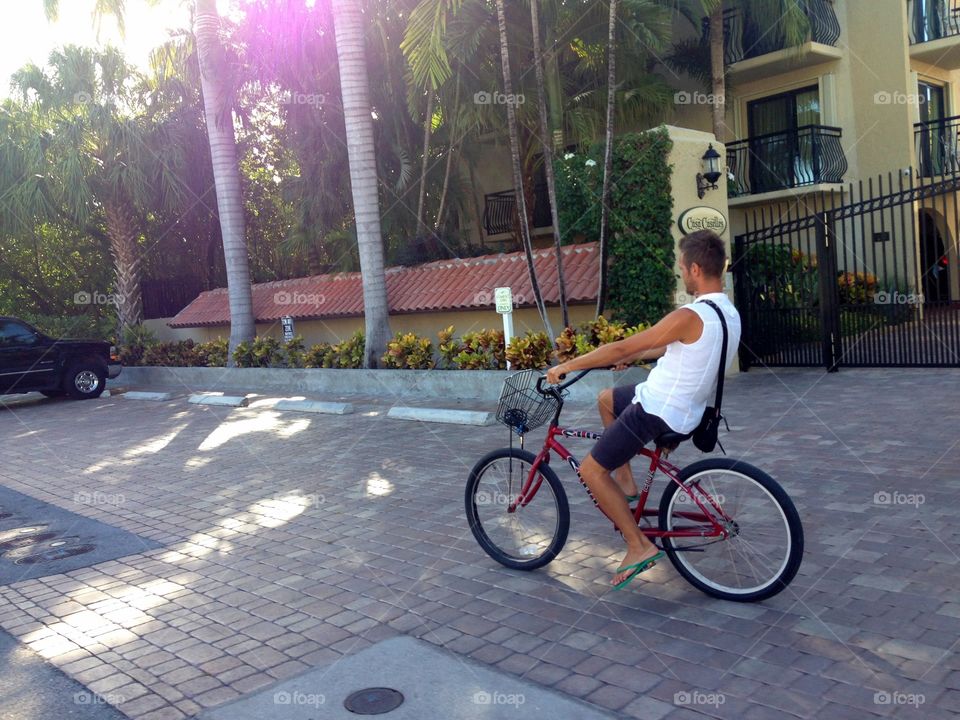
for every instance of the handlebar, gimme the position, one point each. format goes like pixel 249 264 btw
pixel 555 389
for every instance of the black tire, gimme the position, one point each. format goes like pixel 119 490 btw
pixel 557 536
pixel 794 529
pixel 85 380
pixel 53 393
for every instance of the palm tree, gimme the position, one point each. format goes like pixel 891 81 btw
pixel 216 94
pixel 354 87
pixel 81 147
pixel 607 154
pixel 521 200
pixel 546 139
pixel 218 111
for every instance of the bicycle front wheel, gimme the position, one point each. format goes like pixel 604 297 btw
pixel 764 548
pixel 523 536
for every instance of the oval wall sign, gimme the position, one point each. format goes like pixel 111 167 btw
pixel 702 218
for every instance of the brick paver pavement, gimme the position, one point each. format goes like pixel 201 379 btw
pixel 290 540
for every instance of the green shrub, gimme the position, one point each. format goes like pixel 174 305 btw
pixel 319 356
pixel 448 348
pixel 294 352
pixel 213 353
pixel 410 351
pixel 641 246
pixel 349 353
pixel 182 353
pixel 591 335
pixel 80 327
pixel 481 350
pixel 533 351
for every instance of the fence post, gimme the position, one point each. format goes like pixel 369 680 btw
pixel 741 298
pixel 829 292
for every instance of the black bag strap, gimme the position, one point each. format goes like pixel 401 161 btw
pixel 723 354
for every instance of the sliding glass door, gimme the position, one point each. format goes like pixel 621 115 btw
pixel 781 154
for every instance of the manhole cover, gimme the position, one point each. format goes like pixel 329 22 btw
pixel 373 701
pixel 54 553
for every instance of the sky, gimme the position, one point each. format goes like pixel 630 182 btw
pixel 26 36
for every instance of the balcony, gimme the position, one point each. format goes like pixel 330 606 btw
pixel 937 145
pixel 935 32
pixel 803 158
pixel 500 210
pixel 753 51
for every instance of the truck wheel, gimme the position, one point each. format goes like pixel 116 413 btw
pixel 85 380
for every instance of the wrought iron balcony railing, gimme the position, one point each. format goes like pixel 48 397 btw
pixel 933 19
pixel 745 37
pixel 777 161
pixel 500 210
pixel 937 144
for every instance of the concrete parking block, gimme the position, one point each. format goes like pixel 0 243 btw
pixel 315 406
pixel 145 395
pixel 222 400
pixel 441 415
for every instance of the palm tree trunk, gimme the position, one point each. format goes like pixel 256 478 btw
pixel 718 83
pixel 548 157
pixel 226 172
pixel 425 164
pixel 517 173
pixel 354 87
pixel 608 157
pixel 453 146
pixel 122 231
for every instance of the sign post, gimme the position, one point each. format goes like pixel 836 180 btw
pixel 287 323
pixel 503 297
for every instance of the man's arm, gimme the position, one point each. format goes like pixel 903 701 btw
pixel 682 324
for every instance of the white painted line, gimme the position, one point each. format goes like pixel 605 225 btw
pixel 144 395
pixel 440 415
pixel 314 406
pixel 226 400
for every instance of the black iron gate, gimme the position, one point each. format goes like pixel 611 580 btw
pixel 869 281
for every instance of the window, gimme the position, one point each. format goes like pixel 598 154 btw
pixel 782 131
pixel 14 333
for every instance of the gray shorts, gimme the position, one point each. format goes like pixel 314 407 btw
pixel 633 428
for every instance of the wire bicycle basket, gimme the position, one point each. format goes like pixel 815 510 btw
pixel 522 407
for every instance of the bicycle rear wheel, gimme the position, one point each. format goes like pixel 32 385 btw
pixel 532 534
pixel 765 547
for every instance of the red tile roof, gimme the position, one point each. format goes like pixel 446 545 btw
pixel 438 286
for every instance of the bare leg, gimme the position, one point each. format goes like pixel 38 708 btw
pixel 614 504
pixel 623 474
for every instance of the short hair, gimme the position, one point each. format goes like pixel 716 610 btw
pixel 706 249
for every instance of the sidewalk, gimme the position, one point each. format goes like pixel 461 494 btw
pixel 290 541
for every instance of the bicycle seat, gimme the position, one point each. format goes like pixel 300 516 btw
pixel 672 439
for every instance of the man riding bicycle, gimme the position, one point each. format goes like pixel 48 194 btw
pixel 674 396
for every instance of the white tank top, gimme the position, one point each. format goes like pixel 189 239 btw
pixel 684 381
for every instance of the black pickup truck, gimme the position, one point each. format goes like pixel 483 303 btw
pixel 30 361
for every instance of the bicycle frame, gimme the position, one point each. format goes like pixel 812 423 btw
pixel 710 526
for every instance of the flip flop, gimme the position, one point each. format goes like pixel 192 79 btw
pixel 637 568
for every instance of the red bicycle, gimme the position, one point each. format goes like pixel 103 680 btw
pixel 727 526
